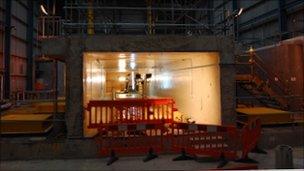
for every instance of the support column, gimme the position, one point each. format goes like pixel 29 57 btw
pixel 227 72
pixel 74 89
pixel 7 49
pixel 235 20
pixel 30 45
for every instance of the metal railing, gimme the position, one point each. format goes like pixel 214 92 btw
pixel 29 96
pixel 49 26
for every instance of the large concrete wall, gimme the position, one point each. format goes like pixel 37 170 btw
pixel 70 49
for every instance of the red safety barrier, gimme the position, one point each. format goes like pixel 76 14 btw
pixel 107 112
pixel 216 141
pixel 196 139
pixel 250 134
pixel 131 139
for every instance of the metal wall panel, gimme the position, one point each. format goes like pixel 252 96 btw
pixel 19 10
pixel 18 45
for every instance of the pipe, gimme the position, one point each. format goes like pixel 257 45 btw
pixel 149 16
pixel 90 17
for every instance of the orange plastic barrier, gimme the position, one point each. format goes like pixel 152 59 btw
pixel 250 134
pixel 214 141
pixel 107 112
pixel 131 139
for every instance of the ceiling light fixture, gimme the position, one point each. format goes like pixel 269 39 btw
pixel 43 10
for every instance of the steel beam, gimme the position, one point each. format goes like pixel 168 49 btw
pixel 139 8
pixel 235 19
pixel 30 45
pixel 7 48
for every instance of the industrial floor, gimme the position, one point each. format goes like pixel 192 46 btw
pixel 164 162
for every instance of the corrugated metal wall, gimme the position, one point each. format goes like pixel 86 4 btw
pixel 259 24
pixel 19 19
pixel 18 45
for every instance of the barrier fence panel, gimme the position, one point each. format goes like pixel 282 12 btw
pixel 214 141
pixel 249 136
pixel 104 112
pixel 131 139
pixel 125 128
pixel 33 95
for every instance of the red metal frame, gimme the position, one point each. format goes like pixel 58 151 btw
pixel 134 126
pixel 131 139
pixel 107 112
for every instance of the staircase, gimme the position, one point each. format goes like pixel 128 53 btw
pixel 264 88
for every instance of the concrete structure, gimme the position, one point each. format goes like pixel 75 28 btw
pixel 70 49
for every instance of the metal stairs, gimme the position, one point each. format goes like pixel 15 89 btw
pixel 263 86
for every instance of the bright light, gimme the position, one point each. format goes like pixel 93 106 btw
pixel 122 79
pixel 240 11
pixel 251 49
pixel 132 61
pixel 96 79
pixel 132 65
pixel 122 55
pixel 122 65
pixel 133 80
pixel 132 56
pixel 43 9
pixel 165 80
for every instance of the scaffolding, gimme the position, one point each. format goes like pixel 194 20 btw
pixel 145 17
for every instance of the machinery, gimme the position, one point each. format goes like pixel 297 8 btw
pixel 135 86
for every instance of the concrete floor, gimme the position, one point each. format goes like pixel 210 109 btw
pixel 164 162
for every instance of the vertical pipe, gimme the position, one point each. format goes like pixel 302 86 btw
pixel 29 45
pixel 90 17
pixel 7 48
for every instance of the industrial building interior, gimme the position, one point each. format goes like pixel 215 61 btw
pixel 102 84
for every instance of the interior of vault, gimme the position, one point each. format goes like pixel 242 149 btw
pixel 192 79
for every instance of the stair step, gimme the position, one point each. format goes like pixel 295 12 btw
pixel 244 77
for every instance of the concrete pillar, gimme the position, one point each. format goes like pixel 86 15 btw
pixel 74 89
pixel 227 94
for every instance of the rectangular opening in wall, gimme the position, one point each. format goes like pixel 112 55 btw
pixel 192 79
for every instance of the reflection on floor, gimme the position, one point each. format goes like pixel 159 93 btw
pixel 164 162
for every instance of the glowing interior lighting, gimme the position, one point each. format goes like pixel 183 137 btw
pixel 43 9
pixel 133 80
pixel 122 55
pixel 96 79
pixel 122 65
pixel 132 65
pixel 251 49
pixel 240 11
pixel 122 79
pixel 132 56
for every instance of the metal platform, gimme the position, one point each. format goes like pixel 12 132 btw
pixel 268 116
pixel 37 108
pixel 25 123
